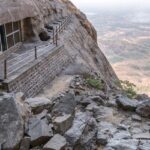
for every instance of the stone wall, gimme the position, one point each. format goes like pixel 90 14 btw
pixel 39 73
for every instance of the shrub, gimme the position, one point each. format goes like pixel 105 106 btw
pixel 129 89
pixel 95 83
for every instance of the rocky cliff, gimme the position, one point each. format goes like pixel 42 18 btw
pixel 80 38
pixel 83 116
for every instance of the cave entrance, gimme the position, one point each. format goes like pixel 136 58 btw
pixel 28 33
pixel 3 45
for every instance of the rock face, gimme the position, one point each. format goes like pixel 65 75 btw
pixel 11 122
pixel 144 109
pixel 80 38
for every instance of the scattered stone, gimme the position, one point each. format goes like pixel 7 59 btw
pixel 38 104
pixel 127 104
pixel 66 105
pixel 122 144
pixel 111 103
pixel 142 136
pixel 103 113
pixel 49 118
pixel 122 135
pixel 38 130
pixel 57 142
pixel 97 99
pixel 87 140
pixel 63 123
pixel 79 124
pixel 105 131
pixel 25 143
pixel 102 138
pixel 11 122
pixel 92 107
pixel 42 115
pixel 136 118
pixel 144 145
pixel 122 127
pixel 136 130
pixel 144 109
pixel 142 97
pixel 85 101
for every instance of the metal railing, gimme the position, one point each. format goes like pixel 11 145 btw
pixel 57 27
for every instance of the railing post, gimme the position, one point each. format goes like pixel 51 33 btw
pixel 53 36
pixel 56 37
pixel 35 50
pixel 5 69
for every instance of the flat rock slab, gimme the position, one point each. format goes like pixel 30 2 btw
pixel 38 104
pixel 122 144
pixel 38 130
pixel 63 123
pixel 11 122
pixel 57 142
pixel 127 104
pixel 142 136
pixel 136 118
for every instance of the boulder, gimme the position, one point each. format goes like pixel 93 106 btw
pixel 65 105
pixel 11 122
pixel 144 109
pixel 102 138
pixel 136 118
pixel 105 131
pixel 127 104
pixel 87 140
pixel 25 143
pixel 63 123
pixel 92 107
pixel 44 36
pixel 57 142
pixel 98 100
pixel 103 113
pixel 38 130
pixel 38 104
pixel 79 124
pixel 122 144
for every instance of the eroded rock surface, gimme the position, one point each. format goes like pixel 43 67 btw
pixel 11 122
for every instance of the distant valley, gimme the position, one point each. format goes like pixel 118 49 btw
pixel 124 37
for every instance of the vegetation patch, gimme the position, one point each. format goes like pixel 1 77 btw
pixel 94 83
pixel 129 89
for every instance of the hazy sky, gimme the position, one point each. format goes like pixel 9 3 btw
pixel 110 4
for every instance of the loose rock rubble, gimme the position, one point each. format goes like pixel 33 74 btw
pixel 85 121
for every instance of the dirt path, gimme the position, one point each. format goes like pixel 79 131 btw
pixel 58 85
